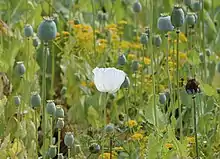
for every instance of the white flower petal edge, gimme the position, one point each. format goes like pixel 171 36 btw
pixel 108 79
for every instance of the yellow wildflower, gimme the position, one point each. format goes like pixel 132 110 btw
pixel 132 123
pixel 131 56
pixel 91 84
pixel 122 22
pixel 110 26
pixel 137 136
pixel 182 37
pixel 83 83
pixel 115 37
pixel 135 45
pixel 183 57
pixel 102 41
pixel 190 140
pixel 146 60
pixel 124 44
pixel 118 148
pixel 169 146
pixel 65 33
pixel 107 155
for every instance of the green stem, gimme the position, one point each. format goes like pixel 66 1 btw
pixel 125 104
pixel 35 121
pixel 195 126
pixel 69 154
pixel 53 72
pixel 51 131
pixel 110 146
pixel 44 60
pixel 178 86
pixel 93 27
pixel 59 134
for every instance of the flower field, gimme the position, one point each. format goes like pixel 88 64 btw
pixel 109 79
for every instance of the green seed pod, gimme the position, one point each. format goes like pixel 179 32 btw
pixel 20 68
pixel 105 17
pixel 162 98
pixel 143 39
pixel 52 152
pixel 190 19
pixel 47 30
pixel 122 60
pixel 28 31
pixel 69 139
pixel 100 15
pixel 94 148
pixel 60 123
pixel 177 16
pixel 137 7
pixel 197 6
pixel 35 100
pixel 35 42
pixel 135 66
pixel 109 129
pixel 126 83
pixel 164 23
pixel 51 107
pixel 60 156
pixel 59 112
pixel 188 3
pixel 17 100
pixel 157 41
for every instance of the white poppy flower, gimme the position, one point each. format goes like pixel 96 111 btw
pixel 108 79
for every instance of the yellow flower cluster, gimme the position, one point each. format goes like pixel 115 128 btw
pixel 107 155
pixel 132 123
pixel 137 137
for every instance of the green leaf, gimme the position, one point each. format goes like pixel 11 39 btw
pixel 93 117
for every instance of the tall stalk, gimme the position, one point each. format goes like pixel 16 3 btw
pixel 195 126
pixel 178 85
pixel 93 27
pixel 58 142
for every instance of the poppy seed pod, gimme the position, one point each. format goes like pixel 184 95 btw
pixel 59 112
pixel 20 68
pixel 35 42
pixel 100 15
pixel 47 30
pixel 76 22
pixel 60 156
pixel 218 67
pixel 190 19
pixel 192 86
pixel 109 128
pixel 51 107
pixel 164 23
pixel 28 31
pixel 135 66
pixel 143 39
pixel 162 98
pixel 122 60
pixel 69 139
pixel 17 100
pixel 137 7
pixel 188 3
pixel 60 123
pixel 177 16
pixel 201 57
pixel 157 41
pixel 52 152
pixel 63 91
pixel 126 83
pixel 35 100
pixel 94 148
pixel 197 6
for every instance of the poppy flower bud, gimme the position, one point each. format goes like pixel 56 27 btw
pixel 28 31
pixel 137 7
pixel 162 98
pixel 177 16
pixel 60 123
pixel 35 100
pixel 190 19
pixel 94 148
pixel 135 66
pixel 126 83
pixel 164 23
pixel 157 41
pixel 52 152
pixel 69 139
pixel 17 100
pixel 109 128
pixel 20 68
pixel 59 112
pixel 197 6
pixel 192 86
pixel 122 60
pixel 51 107
pixel 47 29
pixel 143 39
